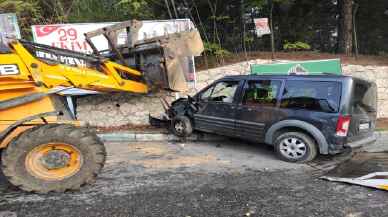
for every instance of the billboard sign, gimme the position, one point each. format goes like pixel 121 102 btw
pixel 262 27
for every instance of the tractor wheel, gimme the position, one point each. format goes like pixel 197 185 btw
pixel 53 157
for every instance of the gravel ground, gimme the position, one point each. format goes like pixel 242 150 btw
pixel 201 179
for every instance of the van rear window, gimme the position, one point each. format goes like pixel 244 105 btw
pixel 320 96
pixel 364 98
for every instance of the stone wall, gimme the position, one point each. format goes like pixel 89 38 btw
pixel 122 108
pixel 378 74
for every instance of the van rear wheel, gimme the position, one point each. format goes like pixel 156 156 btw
pixel 296 147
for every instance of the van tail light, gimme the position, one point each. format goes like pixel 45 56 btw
pixel 343 126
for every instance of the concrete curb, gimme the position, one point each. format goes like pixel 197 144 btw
pixel 154 137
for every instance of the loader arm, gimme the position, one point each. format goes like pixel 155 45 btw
pixel 106 76
pixel 27 84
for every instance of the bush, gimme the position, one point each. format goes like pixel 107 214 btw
pixel 297 46
pixel 214 49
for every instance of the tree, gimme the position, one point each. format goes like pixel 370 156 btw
pixel 345 30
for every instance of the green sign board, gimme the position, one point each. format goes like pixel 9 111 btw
pixel 314 67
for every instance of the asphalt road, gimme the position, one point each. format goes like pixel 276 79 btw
pixel 201 179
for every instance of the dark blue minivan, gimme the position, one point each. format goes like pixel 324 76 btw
pixel 300 115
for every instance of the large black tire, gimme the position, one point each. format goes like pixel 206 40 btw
pixel 181 126
pixel 89 146
pixel 286 147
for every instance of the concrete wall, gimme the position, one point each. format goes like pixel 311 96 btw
pixel 121 109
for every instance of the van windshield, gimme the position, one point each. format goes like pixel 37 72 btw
pixel 364 98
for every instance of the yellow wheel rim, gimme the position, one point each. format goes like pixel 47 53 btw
pixel 54 161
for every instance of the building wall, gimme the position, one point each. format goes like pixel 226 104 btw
pixel 123 108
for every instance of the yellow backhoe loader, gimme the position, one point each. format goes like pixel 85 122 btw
pixel 41 149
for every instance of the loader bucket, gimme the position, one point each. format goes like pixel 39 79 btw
pixel 164 60
pixel 365 169
pixel 177 49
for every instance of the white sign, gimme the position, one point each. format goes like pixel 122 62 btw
pixel 262 27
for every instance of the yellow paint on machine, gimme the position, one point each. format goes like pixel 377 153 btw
pixel 31 75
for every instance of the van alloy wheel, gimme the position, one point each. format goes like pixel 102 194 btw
pixel 293 148
pixel 296 147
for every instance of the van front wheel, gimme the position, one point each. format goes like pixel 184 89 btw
pixel 181 126
pixel 296 147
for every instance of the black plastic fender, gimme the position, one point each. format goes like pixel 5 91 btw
pixel 315 132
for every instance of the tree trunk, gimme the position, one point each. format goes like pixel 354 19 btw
pixel 345 29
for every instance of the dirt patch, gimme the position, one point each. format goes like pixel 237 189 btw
pixel 382 124
pixel 172 162
pixel 361 164
pixel 154 150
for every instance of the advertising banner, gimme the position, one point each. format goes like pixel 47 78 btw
pixel 262 27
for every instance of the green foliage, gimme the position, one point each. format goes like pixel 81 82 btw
pixel 297 46
pixel 109 10
pixel 308 23
pixel 134 8
pixel 249 39
pixel 214 49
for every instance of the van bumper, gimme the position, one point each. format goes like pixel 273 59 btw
pixel 362 142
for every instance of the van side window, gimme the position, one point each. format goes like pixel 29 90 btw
pixel 261 93
pixel 222 92
pixel 323 96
